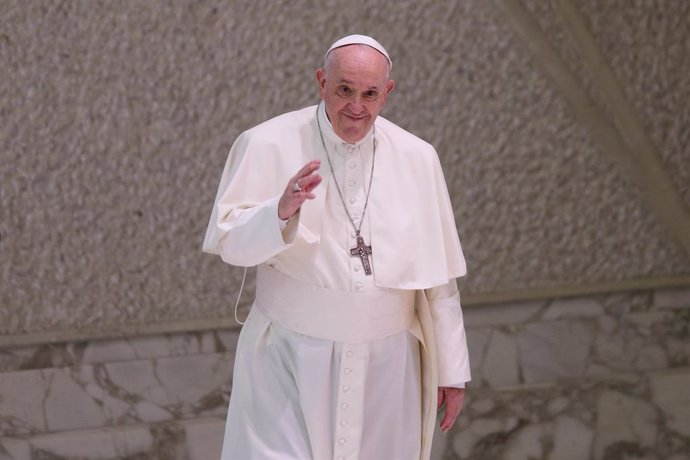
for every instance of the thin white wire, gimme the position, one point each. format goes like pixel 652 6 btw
pixel 240 295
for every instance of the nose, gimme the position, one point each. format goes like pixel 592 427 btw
pixel 357 104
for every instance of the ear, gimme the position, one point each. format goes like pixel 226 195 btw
pixel 390 85
pixel 321 80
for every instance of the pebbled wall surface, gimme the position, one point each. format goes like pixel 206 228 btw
pixel 116 118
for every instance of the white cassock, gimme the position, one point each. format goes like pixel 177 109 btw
pixel 328 363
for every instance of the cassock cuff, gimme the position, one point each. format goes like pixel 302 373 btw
pixel 456 385
pixel 253 234
pixel 289 226
pixel 451 342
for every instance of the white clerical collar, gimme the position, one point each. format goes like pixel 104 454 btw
pixel 329 134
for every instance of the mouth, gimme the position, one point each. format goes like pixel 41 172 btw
pixel 355 117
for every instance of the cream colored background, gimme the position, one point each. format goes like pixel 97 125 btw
pixel 562 126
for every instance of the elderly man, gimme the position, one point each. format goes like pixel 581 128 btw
pixel 356 334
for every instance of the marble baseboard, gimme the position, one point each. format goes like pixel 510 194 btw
pixel 602 377
pixel 544 341
pixel 114 394
pixel 628 416
pixel 622 417
pixel 112 350
pixel 199 439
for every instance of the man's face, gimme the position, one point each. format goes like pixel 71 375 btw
pixel 354 86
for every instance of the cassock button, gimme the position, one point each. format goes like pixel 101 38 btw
pixel 353 164
pixel 349 354
pixel 347 371
pixel 343 423
pixel 353 200
pixel 352 182
pixel 342 441
pixel 357 268
pixel 359 286
pixel 353 235
pixel 346 388
pixel 344 405
pixel 351 148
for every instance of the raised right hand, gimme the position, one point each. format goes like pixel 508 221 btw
pixel 307 178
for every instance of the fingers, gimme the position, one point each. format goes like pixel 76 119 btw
pixel 452 412
pixel 310 182
pixel 307 169
pixel 454 398
pixel 307 179
pixel 441 397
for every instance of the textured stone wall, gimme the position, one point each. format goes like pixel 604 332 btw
pixel 117 116
pixel 602 377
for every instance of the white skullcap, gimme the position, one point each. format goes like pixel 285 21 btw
pixel 361 40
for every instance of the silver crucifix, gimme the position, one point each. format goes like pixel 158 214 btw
pixel 362 251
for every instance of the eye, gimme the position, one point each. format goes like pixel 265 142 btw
pixel 371 94
pixel 343 91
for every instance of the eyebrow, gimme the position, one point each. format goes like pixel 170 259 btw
pixel 350 82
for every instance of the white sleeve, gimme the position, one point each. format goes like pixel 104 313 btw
pixel 449 328
pixel 255 234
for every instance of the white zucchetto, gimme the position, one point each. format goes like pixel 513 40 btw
pixel 357 39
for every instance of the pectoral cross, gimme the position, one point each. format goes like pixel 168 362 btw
pixel 362 251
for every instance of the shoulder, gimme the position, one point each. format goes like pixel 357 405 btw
pixel 403 142
pixel 279 141
pixel 282 125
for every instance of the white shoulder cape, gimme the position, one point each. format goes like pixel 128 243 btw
pixel 413 233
